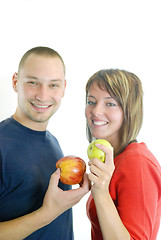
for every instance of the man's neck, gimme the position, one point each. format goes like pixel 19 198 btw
pixel 36 126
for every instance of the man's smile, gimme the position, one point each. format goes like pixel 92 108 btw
pixel 40 106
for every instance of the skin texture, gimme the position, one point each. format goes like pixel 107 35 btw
pixel 56 201
pixel 40 87
pixel 105 117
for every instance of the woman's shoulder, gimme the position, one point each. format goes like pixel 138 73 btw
pixel 137 154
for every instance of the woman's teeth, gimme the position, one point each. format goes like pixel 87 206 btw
pixel 99 123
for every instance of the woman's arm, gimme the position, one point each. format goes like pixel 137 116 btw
pixel 109 219
pixel 56 201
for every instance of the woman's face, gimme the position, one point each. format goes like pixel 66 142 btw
pixel 104 115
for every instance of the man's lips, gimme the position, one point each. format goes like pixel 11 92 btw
pixel 40 106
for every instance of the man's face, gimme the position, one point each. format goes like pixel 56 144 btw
pixel 40 86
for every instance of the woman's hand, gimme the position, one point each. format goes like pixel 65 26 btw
pixel 109 220
pixel 101 173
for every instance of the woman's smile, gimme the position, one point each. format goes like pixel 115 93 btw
pixel 104 115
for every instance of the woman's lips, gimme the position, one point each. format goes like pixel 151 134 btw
pixel 99 123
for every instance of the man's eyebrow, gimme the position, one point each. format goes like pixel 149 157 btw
pixel 56 80
pixel 32 77
pixel 36 78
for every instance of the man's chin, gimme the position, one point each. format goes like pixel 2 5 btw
pixel 40 118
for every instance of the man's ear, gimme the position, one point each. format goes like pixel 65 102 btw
pixel 65 84
pixel 14 81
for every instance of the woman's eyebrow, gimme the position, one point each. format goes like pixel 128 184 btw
pixel 109 97
pixel 104 98
pixel 91 96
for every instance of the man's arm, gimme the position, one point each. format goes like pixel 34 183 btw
pixel 56 201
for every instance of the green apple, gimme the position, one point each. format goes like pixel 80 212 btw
pixel 95 152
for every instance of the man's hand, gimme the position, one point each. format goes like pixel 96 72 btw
pixel 57 201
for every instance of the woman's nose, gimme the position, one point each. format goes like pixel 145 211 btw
pixel 97 110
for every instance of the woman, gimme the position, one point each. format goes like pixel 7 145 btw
pixel 125 200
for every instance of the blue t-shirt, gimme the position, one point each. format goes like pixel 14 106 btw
pixel 27 160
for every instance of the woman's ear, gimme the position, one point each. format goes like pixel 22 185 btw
pixel 14 81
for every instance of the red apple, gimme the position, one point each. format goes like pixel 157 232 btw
pixel 72 169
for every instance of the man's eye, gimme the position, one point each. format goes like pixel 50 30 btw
pixel 55 85
pixel 32 83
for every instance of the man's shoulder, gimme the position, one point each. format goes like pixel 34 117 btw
pixel 50 135
pixel 4 124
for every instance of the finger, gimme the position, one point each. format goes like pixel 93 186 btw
pixel 96 170
pixel 97 163
pixel 85 183
pixel 85 179
pixel 76 194
pixel 108 152
pixel 93 178
pixel 54 180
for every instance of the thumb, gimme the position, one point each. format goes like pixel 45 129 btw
pixel 54 180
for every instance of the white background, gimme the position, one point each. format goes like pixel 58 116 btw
pixel 90 35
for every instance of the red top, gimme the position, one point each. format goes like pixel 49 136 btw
pixel 135 188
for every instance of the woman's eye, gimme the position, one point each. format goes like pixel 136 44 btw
pixel 111 104
pixel 90 102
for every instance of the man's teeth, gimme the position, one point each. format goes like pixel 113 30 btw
pixel 99 123
pixel 41 106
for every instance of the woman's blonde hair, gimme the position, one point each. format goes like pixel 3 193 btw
pixel 126 88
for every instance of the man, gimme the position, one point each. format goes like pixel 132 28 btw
pixel 32 205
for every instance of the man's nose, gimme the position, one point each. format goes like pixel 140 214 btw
pixel 42 93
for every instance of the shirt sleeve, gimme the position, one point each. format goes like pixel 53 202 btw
pixel 138 191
